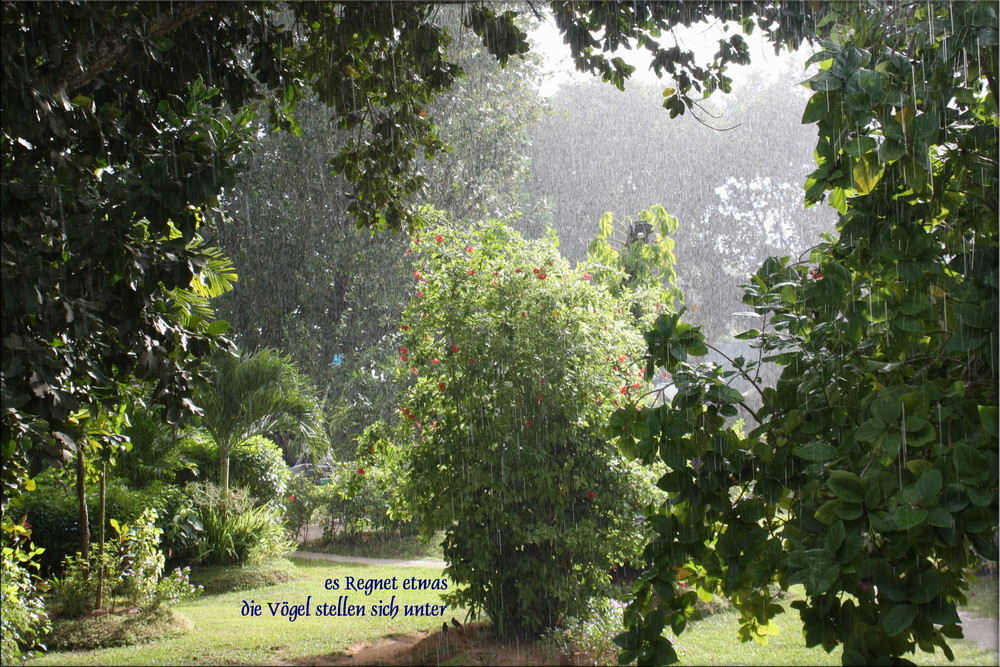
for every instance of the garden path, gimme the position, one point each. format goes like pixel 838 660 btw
pixel 984 631
pixel 369 561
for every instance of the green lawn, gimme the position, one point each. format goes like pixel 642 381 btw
pixel 713 641
pixel 221 635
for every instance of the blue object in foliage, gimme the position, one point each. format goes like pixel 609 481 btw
pixel 337 360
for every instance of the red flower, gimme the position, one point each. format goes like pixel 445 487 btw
pixel 623 390
pixel 361 471
pixel 541 276
pixel 291 497
pixel 403 357
pixel 403 350
pixel 413 370
pixel 435 361
pixel 417 275
pixel 405 328
pixel 534 270
pixel 621 358
pixel 439 238
pixel 468 248
pixel 517 270
pixel 587 276
pixel 472 361
pixel 418 239
pixel 420 295
pixel 539 398
pixel 454 348
pixel 471 272
pixel 636 385
pixel 441 386
pixel 591 494
pixel 598 399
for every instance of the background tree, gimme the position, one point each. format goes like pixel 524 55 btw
pixel 328 293
pixel 584 166
pixel 254 395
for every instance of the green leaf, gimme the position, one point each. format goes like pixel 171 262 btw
pixel 988 416
pixel 847 486
pixel 928 486
pixel 866 172
pixel 971 464
pixel 908 516
pixel 870 430
pixel 886 409
pixel 217 328
pixel 817 451
pixel 899 618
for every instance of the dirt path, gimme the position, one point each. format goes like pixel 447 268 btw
pixel 984 631
pixel 439 564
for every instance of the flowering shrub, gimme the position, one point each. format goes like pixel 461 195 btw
pixel 518 362
pixel 364 494
pixel 176 587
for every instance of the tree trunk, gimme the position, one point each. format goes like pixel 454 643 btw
pixel 224 469
pixel 100 537
pixel 81 496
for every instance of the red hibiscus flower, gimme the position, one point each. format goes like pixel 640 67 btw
pixel 441 386
pixel 439 238
pixel 587 276
pixel 435 361
pixel 591 494
pixel 454 348
pixel 361 471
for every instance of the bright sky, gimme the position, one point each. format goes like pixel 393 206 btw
pixel 558 67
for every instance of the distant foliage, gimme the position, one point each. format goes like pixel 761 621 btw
pixel 518 360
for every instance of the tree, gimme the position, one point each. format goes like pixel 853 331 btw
pixel 254 395
pixel 330 294
pixel 117 142
pixel 517 361
pixel 118 139
pixel 870 474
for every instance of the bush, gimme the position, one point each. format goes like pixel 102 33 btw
pixel 302 501
pixel 518 362
pixel 255 464
pixel 365 494
pixel 132 563
pixel 54 513
pixel 23 621
pixel 234 530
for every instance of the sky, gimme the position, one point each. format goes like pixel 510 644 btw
pixel 558 67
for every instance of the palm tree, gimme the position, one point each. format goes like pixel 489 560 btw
pixel 254 395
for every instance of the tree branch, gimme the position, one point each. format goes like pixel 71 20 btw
pixel 110 49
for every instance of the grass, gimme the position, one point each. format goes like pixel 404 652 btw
pixel 380 545
pixel 116 629
pixel 713 641
pixel 220 634
pixel 228 578
pixel 982 596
